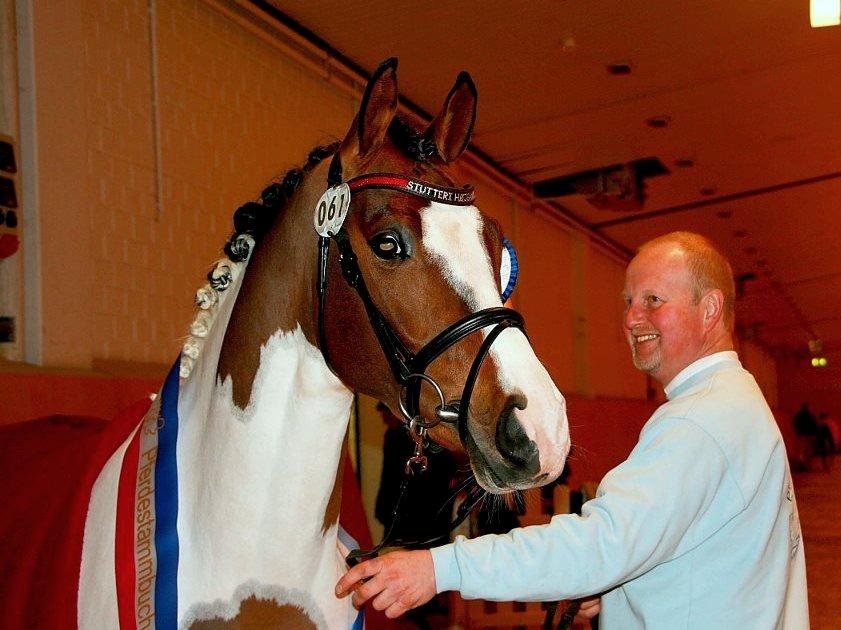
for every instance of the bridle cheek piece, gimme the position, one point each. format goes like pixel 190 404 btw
pixel 408 368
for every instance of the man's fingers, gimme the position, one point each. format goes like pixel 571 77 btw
pixel 367 590
pixel 590 608
pixel 395 610
pixel 358 573
pixel 384 600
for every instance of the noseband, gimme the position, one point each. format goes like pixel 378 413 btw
pixel 408 368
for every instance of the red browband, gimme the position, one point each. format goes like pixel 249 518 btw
pixel 453 196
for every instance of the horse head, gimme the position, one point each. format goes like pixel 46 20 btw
pixel 428 260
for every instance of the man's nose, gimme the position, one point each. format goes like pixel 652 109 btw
pixel 633 316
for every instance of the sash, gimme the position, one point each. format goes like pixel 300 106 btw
pixel 146 543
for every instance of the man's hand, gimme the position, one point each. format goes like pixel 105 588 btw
pixel 590 607
pixel 397 582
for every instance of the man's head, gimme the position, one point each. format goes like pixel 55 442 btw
pixel 679 296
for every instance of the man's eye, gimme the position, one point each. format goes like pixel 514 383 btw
pixel 388 246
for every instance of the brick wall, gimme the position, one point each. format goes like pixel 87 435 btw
pixel 232 112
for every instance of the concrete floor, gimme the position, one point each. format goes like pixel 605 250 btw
pixel 819 502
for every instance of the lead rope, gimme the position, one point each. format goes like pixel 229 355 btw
pixel 474 495
pixel 565 622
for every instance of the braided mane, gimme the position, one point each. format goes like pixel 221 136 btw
pixel 251 222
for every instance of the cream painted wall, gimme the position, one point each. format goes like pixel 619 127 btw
pixel 611 372
pixel 63 212
pixel 761 363
pixel 233 114
pixel 544 294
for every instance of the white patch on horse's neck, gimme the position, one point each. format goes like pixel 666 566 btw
pixel 452 236
pixel 254 483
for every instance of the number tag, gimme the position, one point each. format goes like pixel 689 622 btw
pixel 331 210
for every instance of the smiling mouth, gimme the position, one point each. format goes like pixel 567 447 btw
pixel 643 338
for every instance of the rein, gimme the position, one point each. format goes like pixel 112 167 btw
pixel 474 495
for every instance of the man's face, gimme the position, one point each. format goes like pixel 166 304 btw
pixel 663 325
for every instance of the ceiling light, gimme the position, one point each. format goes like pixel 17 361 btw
pixel 824 13
pixel 818 362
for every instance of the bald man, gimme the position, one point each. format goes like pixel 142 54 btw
pixel 698 528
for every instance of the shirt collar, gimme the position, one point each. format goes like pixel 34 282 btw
pixel 694 368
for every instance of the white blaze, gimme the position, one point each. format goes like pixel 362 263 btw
pixel 452 236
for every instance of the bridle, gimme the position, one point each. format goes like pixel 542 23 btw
pixel 408 368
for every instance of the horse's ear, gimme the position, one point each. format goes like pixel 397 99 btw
pixel 379 104
pixel 452 128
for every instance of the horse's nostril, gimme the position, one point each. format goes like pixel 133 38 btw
pixel 512 441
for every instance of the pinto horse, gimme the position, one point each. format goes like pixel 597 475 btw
pixel 220 506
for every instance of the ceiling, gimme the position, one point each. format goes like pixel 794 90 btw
pixel 751 97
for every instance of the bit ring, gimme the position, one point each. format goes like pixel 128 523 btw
pixel 418 420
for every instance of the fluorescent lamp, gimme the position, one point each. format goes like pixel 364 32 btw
pixel 824 13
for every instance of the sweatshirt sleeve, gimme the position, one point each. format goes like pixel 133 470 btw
pixel 674 491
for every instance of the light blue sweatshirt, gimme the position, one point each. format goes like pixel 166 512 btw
pixel 698 528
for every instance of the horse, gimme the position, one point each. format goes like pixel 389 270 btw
pixel 220 507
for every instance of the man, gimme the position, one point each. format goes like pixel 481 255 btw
pixel 698 528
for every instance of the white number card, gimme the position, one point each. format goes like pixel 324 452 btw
pixel 331 210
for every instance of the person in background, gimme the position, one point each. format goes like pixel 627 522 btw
pixel 697 528
pixel 824 442
pixel 834 429
pixel 805 427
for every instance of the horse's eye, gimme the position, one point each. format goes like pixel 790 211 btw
pixel 388 246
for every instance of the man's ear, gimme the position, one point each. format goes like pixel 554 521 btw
pixel 713 303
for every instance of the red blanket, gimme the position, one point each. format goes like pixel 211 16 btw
pixel 47 470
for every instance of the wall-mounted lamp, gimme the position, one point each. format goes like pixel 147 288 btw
pixel 816 349
pixel 824 13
